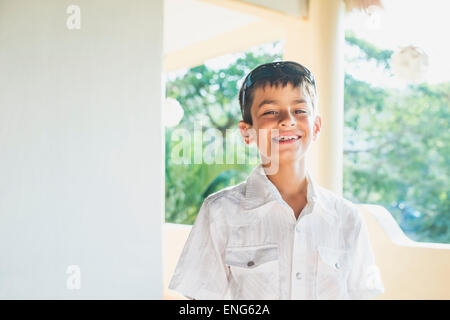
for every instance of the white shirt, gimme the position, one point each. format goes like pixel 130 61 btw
pixel 247 244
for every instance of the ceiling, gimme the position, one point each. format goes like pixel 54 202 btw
pixel 188 22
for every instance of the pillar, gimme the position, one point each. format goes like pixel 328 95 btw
pixel 318 43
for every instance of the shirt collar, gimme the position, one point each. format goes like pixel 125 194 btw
pixel 260 191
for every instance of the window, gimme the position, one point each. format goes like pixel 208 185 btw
pixel 396 133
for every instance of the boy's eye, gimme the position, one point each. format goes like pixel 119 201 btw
pixel 298 111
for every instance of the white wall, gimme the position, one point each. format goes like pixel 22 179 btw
pixel 81 153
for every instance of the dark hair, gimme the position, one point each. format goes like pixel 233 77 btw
pixel 275 74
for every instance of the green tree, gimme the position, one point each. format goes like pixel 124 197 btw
pixel 396 149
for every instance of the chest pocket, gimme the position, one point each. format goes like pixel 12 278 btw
pixel 254 271
pixel 332 273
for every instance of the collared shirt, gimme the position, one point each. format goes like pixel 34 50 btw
pixel 247 244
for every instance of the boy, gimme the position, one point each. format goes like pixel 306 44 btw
pixel 278 235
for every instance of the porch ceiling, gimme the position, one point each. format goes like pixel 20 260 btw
pixel 197 30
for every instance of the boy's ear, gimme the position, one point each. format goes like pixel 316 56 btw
pixel 317 127
pixel 246 132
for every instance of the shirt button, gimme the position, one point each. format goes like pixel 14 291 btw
pixel 337 265
pixel 297 228
pixel 250 263
pixel 298 275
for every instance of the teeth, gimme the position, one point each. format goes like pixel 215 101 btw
pixel 283 138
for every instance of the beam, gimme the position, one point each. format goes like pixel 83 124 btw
pixel 272 15
pixel 229 42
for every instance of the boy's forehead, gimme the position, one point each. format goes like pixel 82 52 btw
pixel 278 92
pixel 276 88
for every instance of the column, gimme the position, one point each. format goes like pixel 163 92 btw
pixel 318 42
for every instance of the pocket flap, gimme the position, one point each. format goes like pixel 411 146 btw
pixel 335 258
pixel 251 256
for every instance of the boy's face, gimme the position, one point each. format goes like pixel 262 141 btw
pixel 288 110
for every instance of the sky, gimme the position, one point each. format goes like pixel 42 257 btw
pixel 425 24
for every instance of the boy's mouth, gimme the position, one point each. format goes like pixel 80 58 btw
pixel 283 139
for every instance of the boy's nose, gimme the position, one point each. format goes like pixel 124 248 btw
pixel 288 120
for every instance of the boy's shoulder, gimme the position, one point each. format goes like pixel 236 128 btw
pixel 346 209
pixel 223 205
pixel 231 195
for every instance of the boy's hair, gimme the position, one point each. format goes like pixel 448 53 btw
pixel 276 73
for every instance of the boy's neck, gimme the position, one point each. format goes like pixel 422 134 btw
pixel 290 179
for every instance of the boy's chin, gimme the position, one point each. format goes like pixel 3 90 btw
pixel 287 157
pixel 290 157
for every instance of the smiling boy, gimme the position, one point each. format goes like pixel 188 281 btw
pixel 278 235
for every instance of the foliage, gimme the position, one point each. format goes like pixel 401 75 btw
pixel 369 51
pixel 396 150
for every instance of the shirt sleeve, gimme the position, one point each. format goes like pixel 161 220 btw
pixel 364 281
pixel 201 272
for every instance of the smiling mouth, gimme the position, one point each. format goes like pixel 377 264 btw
pixel 286 139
